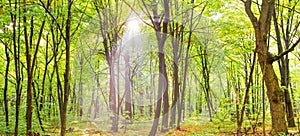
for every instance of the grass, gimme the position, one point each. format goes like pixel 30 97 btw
pixel 193 126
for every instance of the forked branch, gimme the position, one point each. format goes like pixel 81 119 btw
pixel 249 12
pixel 277 57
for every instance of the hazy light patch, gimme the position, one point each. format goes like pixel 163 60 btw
pixel 43 42
pixel 216 16
pixel 2 45
pixel 132 33
pixel 10 26
pixel 133 26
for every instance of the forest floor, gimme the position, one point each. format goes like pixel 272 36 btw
pixel 194 126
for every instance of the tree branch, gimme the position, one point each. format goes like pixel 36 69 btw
pixel 249 12
pixel 139 16
pixel 277 57
pixel 52 16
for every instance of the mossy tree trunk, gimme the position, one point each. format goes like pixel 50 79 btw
pixel 261 26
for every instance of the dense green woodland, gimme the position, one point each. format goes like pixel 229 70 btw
pixel 149 67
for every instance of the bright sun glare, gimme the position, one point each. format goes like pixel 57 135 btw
pixel 133 25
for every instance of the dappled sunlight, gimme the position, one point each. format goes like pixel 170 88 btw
pixel 158 67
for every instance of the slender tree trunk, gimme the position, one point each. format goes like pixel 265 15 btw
pixel 5 89
pixel 109 40
pixel 246 98
pixel 176 41
pixel 263 108
pixel 29 81
pixel 161 85
pixel 189 107
pixel 206 77
pixel 16 52
pixel 165 102
pixel 47 62
pixel 31 63
pixel 112 96
pixel 35 96
pixel 96 108
pixel 237 110
pixel 65 98
pixel 181 107
pixel 80 97
pixel 284 70
pixel 164 69
pixel 92 103
pixel 200 101
pixel 152 94
pixel 162 79
pixel 128 101
pixel 175 90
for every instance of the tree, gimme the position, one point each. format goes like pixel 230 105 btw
pixel 63 92
pixel 109 19
pixel 16 56
pixel 160 27
pixel 285 27
pixel 261 27
pixel 176 32
pixel 6 76
pixel 31 63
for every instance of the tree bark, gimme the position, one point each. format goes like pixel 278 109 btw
pixel 165 102
pixel 16 56
pixel 176 33
pixel 63 109
pixel 161 85
pixel 29 88
pixel 274 92
pixel 164 69
pixel 128 101
pixel 6 85
pixel 110 33
pixel 284 67
pixel 161 36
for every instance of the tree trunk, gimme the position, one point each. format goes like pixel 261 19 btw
pixel 175 90
pixel 112 96
pixel 274 93
pixel 47 62
pixel 159 95
pixel 16 55
pixel 176 34
pixel 206 77
pixel 237 110
pixel 181 105
pixel 6 86
pixel 275 96
pixel 284 70
pixel 128 102
pixel 152 93
pixel 63 109
pixel 263 108
pixel 29 79
pixel 162 78
pixel 35 96
pixel 80 97
pixel 165 102
pixel 96 108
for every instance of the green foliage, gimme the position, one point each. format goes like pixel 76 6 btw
pixel 222 36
